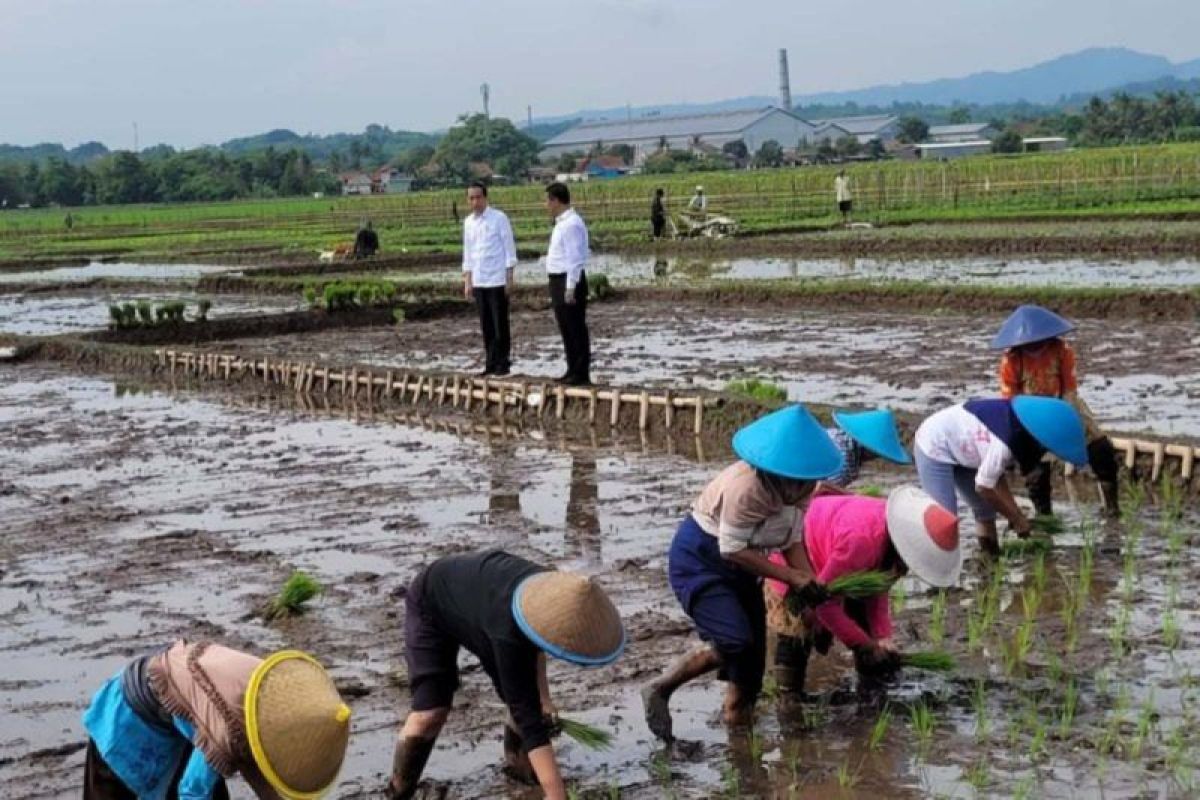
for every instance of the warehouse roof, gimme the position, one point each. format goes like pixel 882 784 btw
pixel 725 122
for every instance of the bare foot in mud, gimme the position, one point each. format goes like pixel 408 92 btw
pixel 658 713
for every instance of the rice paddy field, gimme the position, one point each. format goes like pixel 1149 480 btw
pixel 143 503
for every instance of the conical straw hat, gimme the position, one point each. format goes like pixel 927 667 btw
pixel 570 617
pixel 297 725
pixel 925 535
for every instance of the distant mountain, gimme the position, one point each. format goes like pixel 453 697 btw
pixel 379 141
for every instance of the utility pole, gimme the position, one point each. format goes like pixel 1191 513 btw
pixel 529 118
pixel 486 92
pixel 135 139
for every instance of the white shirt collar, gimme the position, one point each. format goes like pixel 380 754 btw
pixel 570 210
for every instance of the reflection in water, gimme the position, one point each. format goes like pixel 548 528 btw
pixel 660 267
pixel 583 516
pixel 504 486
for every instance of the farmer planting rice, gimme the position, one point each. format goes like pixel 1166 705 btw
pixel 848 534
pixel 861 438
pixel 179 721
pixel 718 557
pixel 510 613
pixel 971 445
pixel 1037 361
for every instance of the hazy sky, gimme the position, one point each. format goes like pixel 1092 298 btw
pixel 202 71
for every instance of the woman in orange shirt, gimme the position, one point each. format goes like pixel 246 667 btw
pixel 1038 361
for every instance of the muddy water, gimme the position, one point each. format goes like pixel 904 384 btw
pixel 166 273
pixel 1073 272
pixel 1136 376
pixel 45 314
pixel 135 516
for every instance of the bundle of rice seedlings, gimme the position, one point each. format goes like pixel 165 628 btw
pixel 855 586
pixel 1047 523
pixel 586 735
pixel 930 661
pixel 871 490
pixel 1015 548
pixel 297 590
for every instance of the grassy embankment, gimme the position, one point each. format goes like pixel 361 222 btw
pixel 1114 183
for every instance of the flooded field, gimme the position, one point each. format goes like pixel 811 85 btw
pixel 1078 272
pixel 41 314
pixel 1137 376
pixel 134 515
pixel 104 269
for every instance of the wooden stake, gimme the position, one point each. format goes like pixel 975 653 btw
pixel 614 415
pixel 699 426
pixel 387 387
pixel 561 398
pixel 668 410
pixel 592 395
pixel 457 387
pixel 644 412
pixel 545 400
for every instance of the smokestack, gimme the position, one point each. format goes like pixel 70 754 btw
pixel 785 86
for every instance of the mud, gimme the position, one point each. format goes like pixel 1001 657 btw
pixel 167 273
pixel 1137 377
pixel 135 516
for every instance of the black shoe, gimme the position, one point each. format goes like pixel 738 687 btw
pixel 565 379
pixel 483 373
pixel 501 372
pixel 578 380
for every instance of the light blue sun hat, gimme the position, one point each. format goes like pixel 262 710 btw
pixel 1055 424
pixel 789 443
pixel 875 430
pixel 1028 324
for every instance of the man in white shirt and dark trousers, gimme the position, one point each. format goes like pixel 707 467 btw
pixel 565 261
pixel 489 256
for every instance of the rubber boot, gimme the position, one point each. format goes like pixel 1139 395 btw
pixel 791 663
pixel 1102 457
pixel 408 763
pixel 1037 482
pixel 516 760
pixel 656 696
pixel 989 541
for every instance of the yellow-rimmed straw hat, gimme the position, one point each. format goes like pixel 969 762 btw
pixel 297 725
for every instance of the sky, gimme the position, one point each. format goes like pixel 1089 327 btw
pixel 193 72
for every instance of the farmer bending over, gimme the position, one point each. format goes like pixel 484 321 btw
pixel 509 613
pixel 971 445
pixel 177 722
pixel 844 534
pixel 1038 361
pixel 719 556
pixel 366 241
pixel 861 437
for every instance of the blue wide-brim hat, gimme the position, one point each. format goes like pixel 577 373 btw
pixel 789 443
pixel 1055 424
pixel 875 430
pixel 1029 324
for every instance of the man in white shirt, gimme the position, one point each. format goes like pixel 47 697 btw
pixel 565 261
pixel 699 203
pixel 841 189
pixel 489 257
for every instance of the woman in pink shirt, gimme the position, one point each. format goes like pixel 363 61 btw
pixel 844 534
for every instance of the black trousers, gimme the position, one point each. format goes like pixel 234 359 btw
pixel 492 303
pixel 658 224
pixel 1102 458
pixel 572 324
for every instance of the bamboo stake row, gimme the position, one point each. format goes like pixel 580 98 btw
pixel 1158 451
pixel 465 392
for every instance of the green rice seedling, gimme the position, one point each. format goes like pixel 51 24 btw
pixel 145 312
pixel 364 295
pixel 1047 523
pixel 770 688
pixel 861 585
pixel 398 316
pixel 1023 639
pixel 979 704
pixel 847 778
pixel 871 490
pixel 131 314
pixel 977 775
pixel 898 596
pixel 1031 602
pixel 1037 739
pixel 930 661
pixel 599 287
pixel 731 782
pixel 1024 789
pixel 202 309
pixel 660 769
pixel 310 296
pixel 1070 704
pixel 1170 630
pixel 1118 633
pixel 1020 548
pixel 116 318
pixel 880 728
pixel 1171 498
pixel 586 735
pixel 295 593
pixel 1146 718
pixel 937 618
pixel 923 722
pixel 160 314
pixel 760 390
pixel 756 745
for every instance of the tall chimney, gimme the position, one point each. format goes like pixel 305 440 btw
pixel 785 87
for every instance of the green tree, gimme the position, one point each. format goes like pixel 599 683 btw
pixel 123 178
pixel 567 161
pixel 494 141
pixel 769 154
pixel 625 152
pixel 1007 142
pixel 960 115
pixel 912 130
pixel 412 159
pixel 848 146
pixel 736 149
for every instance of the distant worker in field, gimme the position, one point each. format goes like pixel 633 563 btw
pixel 841 189
pixel 489 258
pixel 1038 361
pixel 658 214
pixel 181 720
pixel 510 614
pixel 366 241
pixel 699 203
